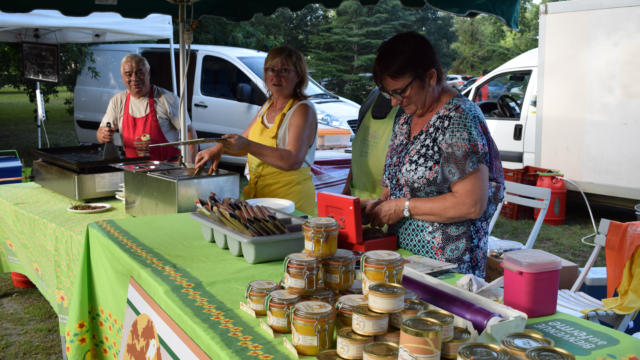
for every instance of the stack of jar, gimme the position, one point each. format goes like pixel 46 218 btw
pixel 312 278
pixel 526 345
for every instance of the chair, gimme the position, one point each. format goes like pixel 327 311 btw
pixel 524 195
pixel 573 302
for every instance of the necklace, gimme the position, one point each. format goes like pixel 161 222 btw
pixel 281 114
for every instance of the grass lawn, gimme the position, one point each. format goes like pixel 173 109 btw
pixel 28 325
pixel 18 124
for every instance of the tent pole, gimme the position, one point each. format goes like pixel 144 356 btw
pixel 172 56
pixel 183 87
pixel 40 114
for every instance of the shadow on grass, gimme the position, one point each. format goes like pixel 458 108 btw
pixel 28 325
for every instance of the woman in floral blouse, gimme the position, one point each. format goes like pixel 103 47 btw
pixel 442 174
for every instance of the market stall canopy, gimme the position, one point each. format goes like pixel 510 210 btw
pixel 51 27
pixel 241 10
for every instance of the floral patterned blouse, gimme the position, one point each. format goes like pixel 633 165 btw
pixel 451 145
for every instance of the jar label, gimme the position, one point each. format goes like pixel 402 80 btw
pixel 276 320
pixel 369 326
pixel 292 282
pixel 332 278
pixel 348 349
pixel 404 354
pixel 391 303
pixel 309 245
pixel 305 340
pixel 259 306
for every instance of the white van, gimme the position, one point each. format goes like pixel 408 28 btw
pixel 225 89
pixel 507 98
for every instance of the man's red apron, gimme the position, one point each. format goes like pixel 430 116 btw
pixel 140 132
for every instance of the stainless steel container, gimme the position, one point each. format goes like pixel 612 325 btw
pixel 174 190
pixel 77 186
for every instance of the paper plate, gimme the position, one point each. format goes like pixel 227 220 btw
pixel 120 195
pixel 103 207
pixel 284 205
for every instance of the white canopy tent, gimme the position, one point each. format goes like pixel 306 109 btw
pixel 51 27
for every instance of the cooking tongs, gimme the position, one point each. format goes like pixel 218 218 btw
pixel 191 142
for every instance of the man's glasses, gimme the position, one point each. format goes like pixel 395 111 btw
pixel 275 71
pixel 397 94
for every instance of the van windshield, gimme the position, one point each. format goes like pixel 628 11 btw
pixel 256 64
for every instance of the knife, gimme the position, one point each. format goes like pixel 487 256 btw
pixel 191 142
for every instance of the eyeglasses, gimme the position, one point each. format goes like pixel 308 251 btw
pixel 397 94
pixel 275 71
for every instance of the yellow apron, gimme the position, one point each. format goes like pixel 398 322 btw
pixel 369 153
pixel 267 181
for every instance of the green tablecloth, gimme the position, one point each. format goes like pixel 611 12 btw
pixel 197 284
pixel 200 286
pixel 42 240
pixel 85 275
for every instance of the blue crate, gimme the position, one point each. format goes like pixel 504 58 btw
pixel 595 284
pixel 10 166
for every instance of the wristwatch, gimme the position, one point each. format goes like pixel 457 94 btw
pixel 405 211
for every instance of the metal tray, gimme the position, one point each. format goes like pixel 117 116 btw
pixel 143 166
pixel 86 159
pixel 257 249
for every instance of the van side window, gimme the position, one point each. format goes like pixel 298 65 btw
pixel 221 78
pixel 502 96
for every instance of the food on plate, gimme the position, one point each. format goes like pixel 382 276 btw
pixel 87 207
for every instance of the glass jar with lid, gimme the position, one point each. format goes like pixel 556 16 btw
pixel 381 266
pixel 320 236
pixel 345 306
pixel 312 325
pixel 278 304
pixel 302 273
pixel 340 270
pixel 256 292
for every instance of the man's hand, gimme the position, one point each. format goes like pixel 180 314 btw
pixel 104 134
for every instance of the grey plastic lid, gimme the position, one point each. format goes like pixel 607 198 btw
pixel 531 260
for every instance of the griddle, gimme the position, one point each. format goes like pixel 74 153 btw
pixel 84 159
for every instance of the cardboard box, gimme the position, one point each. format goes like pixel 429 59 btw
pixel 568 272
pixel 493 268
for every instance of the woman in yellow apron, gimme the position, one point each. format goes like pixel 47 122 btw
pixel 280 142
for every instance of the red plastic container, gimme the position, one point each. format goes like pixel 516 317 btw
pixel 21 281
pixel 531 279
pixel 557 205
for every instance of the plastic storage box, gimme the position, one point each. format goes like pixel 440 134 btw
pixel 10 167
pixel 256 249
pixel 531 279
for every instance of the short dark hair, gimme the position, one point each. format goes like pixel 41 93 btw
pixel 407 53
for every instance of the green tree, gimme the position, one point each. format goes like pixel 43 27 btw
pixel 485 42
pixel 343 54
pixel 264 32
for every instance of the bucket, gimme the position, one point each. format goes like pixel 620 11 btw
pixel 21 281
pixel 531 279
pixel 557 205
